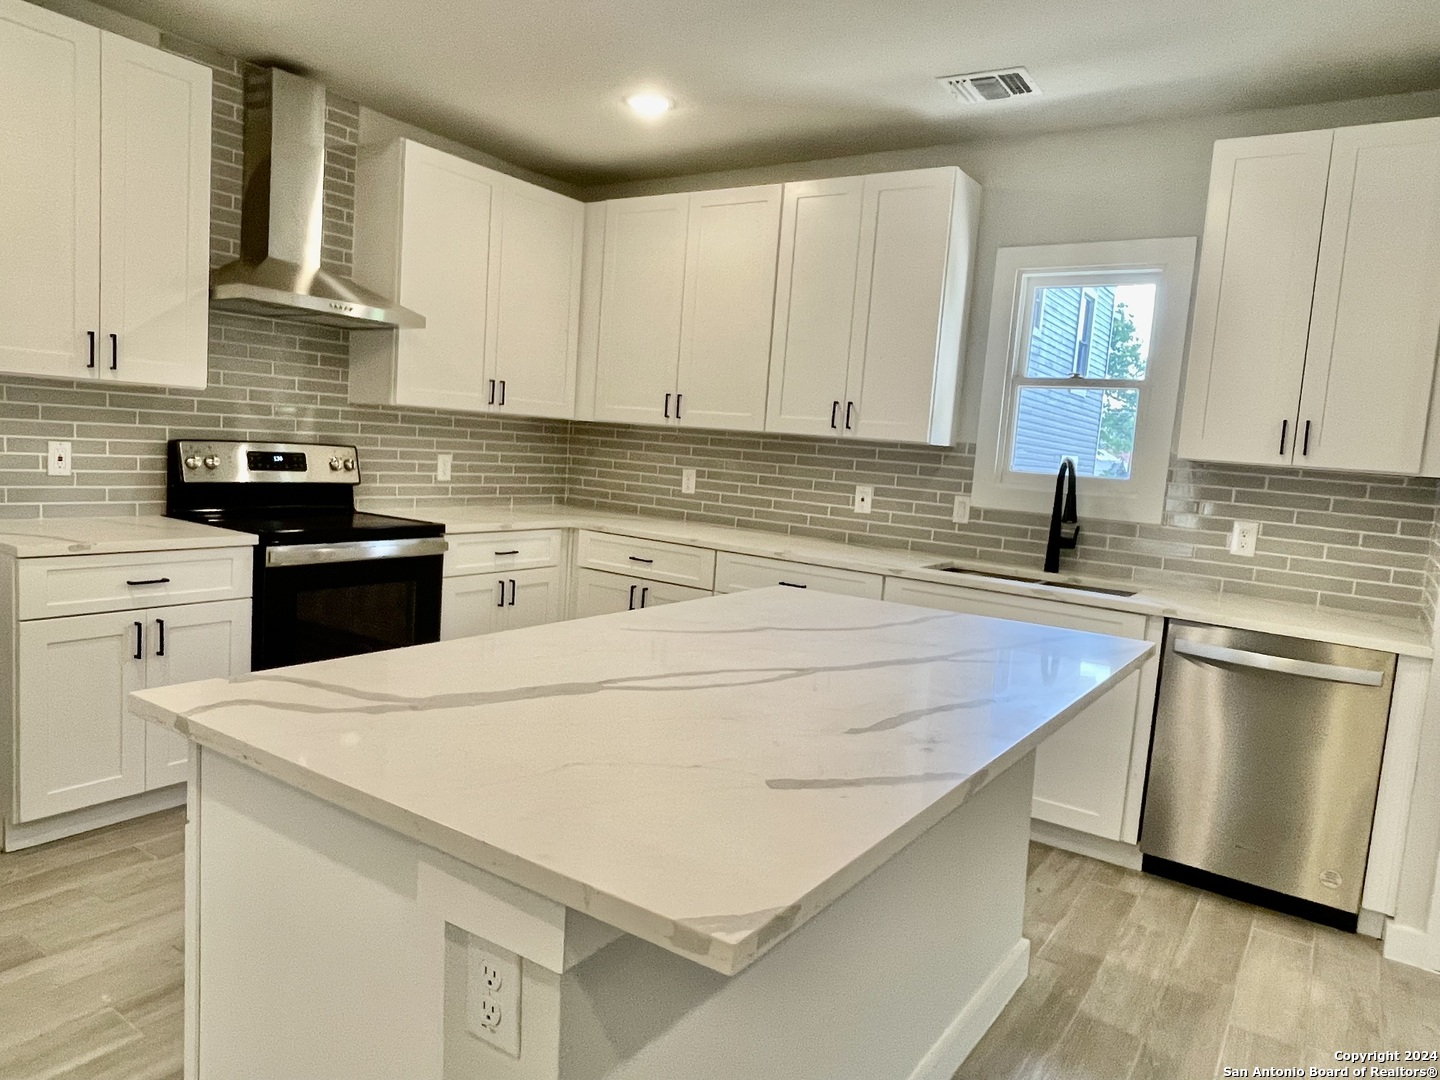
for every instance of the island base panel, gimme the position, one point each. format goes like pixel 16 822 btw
pixel 326 946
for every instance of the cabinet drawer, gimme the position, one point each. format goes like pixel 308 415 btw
pixel 82 584
pixel 734 573
pixel 494 553
pixel 653 560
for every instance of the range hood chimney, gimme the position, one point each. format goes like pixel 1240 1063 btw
pixel 278 274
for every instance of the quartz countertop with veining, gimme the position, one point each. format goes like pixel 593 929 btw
pixel 1402 633
pixel 706 776
pixel 44 537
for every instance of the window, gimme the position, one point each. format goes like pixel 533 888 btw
pixel 1094 379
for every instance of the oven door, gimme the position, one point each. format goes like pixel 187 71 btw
pixel 319 601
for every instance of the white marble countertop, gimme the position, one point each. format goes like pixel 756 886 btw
pixel 706 776
pixel 44 537
pixel 1401 634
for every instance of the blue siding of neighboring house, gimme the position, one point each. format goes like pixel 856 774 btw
pixel 1054 425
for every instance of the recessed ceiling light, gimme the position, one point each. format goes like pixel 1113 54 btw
pixel 649 103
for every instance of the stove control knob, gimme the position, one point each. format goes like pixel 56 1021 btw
pixel 192 462
pixel 334 464
pixel 349 464
pixel 212 462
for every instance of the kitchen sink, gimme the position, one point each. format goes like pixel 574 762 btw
pixel 1030 579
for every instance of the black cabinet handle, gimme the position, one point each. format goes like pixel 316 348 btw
pixel 632 596
pixel 1284 430
pixel 502 391
pixel 679 398
pixel 792 585
pixel 515 552
pixel 160 625
pixel 512 592
pixel 636 558
pixel 91 335
pixel 644 593
pixel 492 391
pixel 139 641
pixel 667 406
pixel 1305 446
pixel 501 601
pixel 150 581
pixel 114 352
pixel 849 408
pixel 834 414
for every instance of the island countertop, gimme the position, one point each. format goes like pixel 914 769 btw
pixel 706 776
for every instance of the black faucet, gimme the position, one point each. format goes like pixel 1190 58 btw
pixel 1064 523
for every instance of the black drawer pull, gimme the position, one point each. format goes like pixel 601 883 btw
pixel 139 641
pixel 515 552
pixel 91 335
pixel 502 391
pixel 512 592
pixel 114 352
pixel 849 408
pixel 632 596
pixel 792 585
pixel 667 406
pixel 1305 446
pixel 492 391
pixel 679 399
pixel 501 601
pixel 644 593
pixel 636 558
pixel 834 412
pixel 160 625
pixel 150 581
pixel 1284 430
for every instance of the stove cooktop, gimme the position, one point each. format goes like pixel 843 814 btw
pixel 295 526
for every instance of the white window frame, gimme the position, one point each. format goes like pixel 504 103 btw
pixel 1019 271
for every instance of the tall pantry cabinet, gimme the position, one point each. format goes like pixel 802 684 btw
pixel 105 204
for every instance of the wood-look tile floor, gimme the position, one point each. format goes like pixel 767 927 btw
pixel 1131 977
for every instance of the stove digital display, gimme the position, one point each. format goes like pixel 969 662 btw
pixel 260 461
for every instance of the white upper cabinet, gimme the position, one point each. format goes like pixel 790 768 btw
pixel 154 216
pixel 687 291
pixel 1318 301
pixel 870 305
pixel 1376 320
pixel 491 262
pixel 105 190
pixel 642 297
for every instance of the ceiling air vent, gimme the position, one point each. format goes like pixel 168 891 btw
pixel 978 87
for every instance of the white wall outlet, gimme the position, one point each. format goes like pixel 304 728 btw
pixel 687 481
pixel 1243 535
pixel 59 459
pixel 492 996
pixel 443 463
pixel 864 498
pixel 961 514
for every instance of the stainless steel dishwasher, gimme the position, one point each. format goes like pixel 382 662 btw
pixel 1265 763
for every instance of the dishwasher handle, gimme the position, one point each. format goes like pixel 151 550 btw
pixel 1305 669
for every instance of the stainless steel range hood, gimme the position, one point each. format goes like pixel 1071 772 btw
pixel 278 274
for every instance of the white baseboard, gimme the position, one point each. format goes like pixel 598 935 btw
pixel 1413 946
pixel 967 1029
pixel 34 833
pixel 1096 847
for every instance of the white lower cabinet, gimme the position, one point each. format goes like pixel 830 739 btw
pixel 600 593
pixel 483 603
pixel 78 744
pixel 1086 774
pixel 735 573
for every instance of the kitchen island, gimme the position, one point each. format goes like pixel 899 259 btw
pixel 771 834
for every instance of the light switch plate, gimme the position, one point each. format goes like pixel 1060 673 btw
pixel 687 481
pixel 1243 535
pixel 58 463
pixel 864 498
pixel 961 514
pixel 443 463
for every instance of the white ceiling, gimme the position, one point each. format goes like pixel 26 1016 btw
pixel 539 82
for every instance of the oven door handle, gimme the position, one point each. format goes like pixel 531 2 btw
pixel 354 551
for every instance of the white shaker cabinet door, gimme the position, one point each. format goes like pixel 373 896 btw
pixel 50 180
pixel 729 300
pixel 814 305
pixel 905 341
pixel 484 603
pixel 1371 357
pixel 1253 297
pixel 155 216
pixel 537 316
pixel 599 593
pixel 186 644
pixel 446 269
pixel 642 296
pixel 78 743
